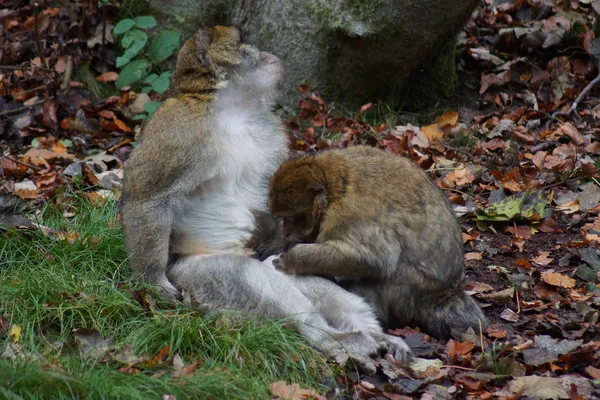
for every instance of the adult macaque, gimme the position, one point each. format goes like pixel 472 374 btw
pixel 195 194
pixel 377 225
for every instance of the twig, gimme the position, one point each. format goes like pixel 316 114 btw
pixel 480 335
pixel 560 183
pixel 518 302
pixel 457 367
pixel 38 40
pixel 573 107
pixel 67 76
pixel 469 155
pixel 27 107
pixel 18 67
pixel 20 162
pixel 103 50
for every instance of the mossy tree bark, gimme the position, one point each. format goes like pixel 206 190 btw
pixel 351 51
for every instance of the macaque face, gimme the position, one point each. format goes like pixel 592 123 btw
pixel 300 228
pixel 261 70
pixel 300 212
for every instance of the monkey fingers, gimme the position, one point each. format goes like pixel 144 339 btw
pixel 394 346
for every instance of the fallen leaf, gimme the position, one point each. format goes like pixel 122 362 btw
pixel 509 315
pixel 538 387
pixel 15 333
pixel 27 190
pixel 547 349
pixel 282 391
pixel 473 256
pixel 90 343
pixel 593 372
pixel 107 77
pixel 432 132
pixel 557 279
pixel 449 118
pixel 542 258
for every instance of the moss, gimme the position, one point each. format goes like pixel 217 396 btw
pixel 574 34
pixel 437 80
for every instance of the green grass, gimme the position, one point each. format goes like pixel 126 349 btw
pixel 49 287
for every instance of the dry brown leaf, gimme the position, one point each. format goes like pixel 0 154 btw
pixel 455 349
pixel 557 279
pixel 27 190
pixel 460 176
pixel 567 129
pixel 593 372
pixel 40 157
pixel 569 207
pixel 473 256
pixel 282 391
pixel 543 258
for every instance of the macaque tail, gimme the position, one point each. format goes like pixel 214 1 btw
pixel 455 315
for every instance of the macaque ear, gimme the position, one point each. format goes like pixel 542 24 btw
pixel 204 38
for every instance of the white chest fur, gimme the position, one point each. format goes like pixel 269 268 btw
pixel 219 217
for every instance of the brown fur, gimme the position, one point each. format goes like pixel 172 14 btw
pixel 376 224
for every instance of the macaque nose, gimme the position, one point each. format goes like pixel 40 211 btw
pixel 268 58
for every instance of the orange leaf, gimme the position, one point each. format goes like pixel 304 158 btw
pixel 454 349
pixel 122 126
pixel 107 77
pixel 556 279
pixel 448 118
pixel 432 132
pixel 162 354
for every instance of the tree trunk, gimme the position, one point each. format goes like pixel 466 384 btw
pixel 350 51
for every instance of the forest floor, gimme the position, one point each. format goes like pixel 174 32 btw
pixel 516 150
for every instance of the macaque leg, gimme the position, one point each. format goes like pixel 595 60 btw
pixel 347 312
pixel 242 283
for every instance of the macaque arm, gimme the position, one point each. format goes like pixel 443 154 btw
pixel 147 231
pixel 335 258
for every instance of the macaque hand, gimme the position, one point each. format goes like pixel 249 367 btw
pixel 297 261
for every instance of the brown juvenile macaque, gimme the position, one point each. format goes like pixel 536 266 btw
pixel 377 225
pixel 194 206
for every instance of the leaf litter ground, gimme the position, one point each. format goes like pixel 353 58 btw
pixel 518 162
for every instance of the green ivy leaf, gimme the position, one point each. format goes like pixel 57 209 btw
pixel 164 45
pixel 123 26
pixel 150 78
pixel 146 89
pixel 139 116
pixel 133 72
pixel 145 22
pixel 67 143
pixel 151 106
pixel 161 84
pixel 133 42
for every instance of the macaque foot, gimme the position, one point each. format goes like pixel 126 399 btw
pixel 167 291
pixel 394 346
